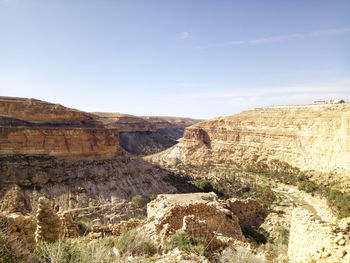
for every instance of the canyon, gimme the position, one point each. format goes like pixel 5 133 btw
pixel 65 166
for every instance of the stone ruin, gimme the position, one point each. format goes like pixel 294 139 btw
pixel 199 214
pixel 49 226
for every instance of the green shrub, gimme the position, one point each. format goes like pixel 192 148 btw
pixel 186 242
pixel 133 243
pixel 60 252
pixel 7 255
pixel 283 235
pixel 341 101
pixel 140 201
pixel 153 196
pixel 308 186
pixel 98 250
pixel 260 235
pixel 82 251
pixel 339 201
pixel 204 185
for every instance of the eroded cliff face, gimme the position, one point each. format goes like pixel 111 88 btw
pixel 40 111
pixel 284 138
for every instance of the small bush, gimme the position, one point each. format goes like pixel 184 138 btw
pixel 135 244
pixel 140 201
pixel 341 101
pixel 204 185
pixel 7 255
pixel 60 252
pixel 260 235
pixel 308 186
pixel 186 242
pixel 153 196
pixel 339 201
pixel 283 236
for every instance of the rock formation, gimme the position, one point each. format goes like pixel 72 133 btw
pixel 49 228
pixel 279 138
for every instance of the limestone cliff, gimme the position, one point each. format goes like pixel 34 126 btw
pixel 285 138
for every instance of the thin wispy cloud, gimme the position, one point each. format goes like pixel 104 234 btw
pixel 312 90
pixel 279 38
pixel 184 35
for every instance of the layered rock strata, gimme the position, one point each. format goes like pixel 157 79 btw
pixel 280 138
pixel 62 142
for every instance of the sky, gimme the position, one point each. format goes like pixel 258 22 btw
pixel 194 58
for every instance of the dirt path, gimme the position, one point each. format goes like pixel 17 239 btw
pixel 313 204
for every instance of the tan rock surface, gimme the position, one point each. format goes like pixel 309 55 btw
pixel 312 240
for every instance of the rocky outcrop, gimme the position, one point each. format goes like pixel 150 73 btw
pixel 280 138
pixel 312 240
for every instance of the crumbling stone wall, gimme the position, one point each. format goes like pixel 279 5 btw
pixel 69 229
pixel 215 219
pixel 248 211
pixel 312 240
pixel 116 229
pixel 49 226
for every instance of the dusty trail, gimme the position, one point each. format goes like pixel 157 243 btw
pixel 315 205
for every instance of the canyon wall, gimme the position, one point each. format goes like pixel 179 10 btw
pixel 284 138
pixel 61 141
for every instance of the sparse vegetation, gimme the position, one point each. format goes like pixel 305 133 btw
pixel 7 255
pixel 339 201
pixel 186 242
pixel 62 251
pixel 133 243
pixel 204 186
pixel 140 201
pixel 239 255
pixel 82 251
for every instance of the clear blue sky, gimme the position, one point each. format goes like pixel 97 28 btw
pixel 196 58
